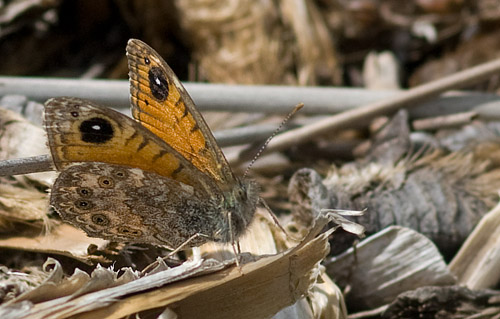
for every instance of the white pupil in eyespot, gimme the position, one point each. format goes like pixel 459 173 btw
pixel 96 127
pixel 158 82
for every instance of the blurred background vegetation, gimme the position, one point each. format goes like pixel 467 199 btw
pixel 373 43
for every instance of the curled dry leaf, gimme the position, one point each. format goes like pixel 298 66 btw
pixel 386 264
pixel 196 287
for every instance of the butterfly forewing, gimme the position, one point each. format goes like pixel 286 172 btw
pixel 81 131
pixel 162 105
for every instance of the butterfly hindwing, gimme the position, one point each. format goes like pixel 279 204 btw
pixel 128 204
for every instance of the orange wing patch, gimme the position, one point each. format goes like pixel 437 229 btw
pixel 80 131
pixel 159 102
pixel 170 120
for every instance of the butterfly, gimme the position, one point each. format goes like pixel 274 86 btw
pixel 159 178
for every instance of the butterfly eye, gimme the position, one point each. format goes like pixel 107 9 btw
pixel 242 193
pixel 100 219
pixel 83 204
pixel 106 182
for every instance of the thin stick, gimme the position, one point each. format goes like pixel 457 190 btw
pixel 236 98
pixel 27 165
pixel 447 121
pixel 406 99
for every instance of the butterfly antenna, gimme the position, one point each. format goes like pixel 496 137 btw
pixel 292 113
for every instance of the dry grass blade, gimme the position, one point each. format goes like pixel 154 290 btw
pixel 447 121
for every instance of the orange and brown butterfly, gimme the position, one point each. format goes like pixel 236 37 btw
pixel 159 179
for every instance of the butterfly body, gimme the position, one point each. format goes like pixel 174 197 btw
pixel 158 179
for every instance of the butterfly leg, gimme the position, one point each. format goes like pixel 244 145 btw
pixel 275 219
pixel 196 252
pixel 184 244
pixel 234 243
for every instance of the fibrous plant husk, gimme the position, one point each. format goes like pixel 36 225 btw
pixel 441 195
